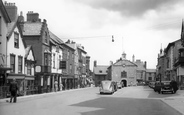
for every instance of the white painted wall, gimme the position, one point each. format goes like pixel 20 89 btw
pixel 17 51
pixel 56 69
pixel 3 41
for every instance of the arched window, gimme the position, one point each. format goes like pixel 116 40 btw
pixel 124 74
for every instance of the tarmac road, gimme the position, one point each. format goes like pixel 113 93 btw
pixel 87 101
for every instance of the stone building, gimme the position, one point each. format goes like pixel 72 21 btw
pixel 124 71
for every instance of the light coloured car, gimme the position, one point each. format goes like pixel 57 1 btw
pixel 106 86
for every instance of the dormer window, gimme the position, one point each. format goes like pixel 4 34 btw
pixel 16 40
pixel 57 49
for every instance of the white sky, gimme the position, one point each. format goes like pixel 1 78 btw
pixel 139 27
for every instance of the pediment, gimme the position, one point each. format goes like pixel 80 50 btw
pixel 124 62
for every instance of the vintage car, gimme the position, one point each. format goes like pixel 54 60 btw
pixel 107 86
pixel 166 87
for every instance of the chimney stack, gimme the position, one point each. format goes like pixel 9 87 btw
pixel 95 63
pixel 32 17
pixel 133 58
pixel 11 10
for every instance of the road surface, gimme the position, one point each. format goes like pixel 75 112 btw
pixel 138 100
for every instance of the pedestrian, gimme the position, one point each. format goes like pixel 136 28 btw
pixel 61 87
pixel 174 85
pixel 56 86
pixel 13 90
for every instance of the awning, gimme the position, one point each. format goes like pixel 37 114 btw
pixel 16 77
pixel 5 68
pixel 30 78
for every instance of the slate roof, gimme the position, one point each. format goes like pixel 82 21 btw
pixel 32 29
pixel 11 27
pixel 100 70
pixel 55 38
pixel 4 12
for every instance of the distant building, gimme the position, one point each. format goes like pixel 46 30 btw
pixel 141 70
pixel 100 73
pixel 124 71
pixel 150 75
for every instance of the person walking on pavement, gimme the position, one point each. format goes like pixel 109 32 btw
pixel 13 90
pixel 174 85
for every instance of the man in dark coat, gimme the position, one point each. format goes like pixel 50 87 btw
pixel 13 90
pixel 174 85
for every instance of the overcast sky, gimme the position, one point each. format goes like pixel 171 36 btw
pixel 139 27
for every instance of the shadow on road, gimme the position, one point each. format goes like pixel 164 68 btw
pixel 126 106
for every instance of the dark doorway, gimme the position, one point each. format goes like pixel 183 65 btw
pixel 124 83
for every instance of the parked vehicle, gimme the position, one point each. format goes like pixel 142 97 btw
pixel 106 86
pixel 152 84
pixel 167 86
pixel 120 85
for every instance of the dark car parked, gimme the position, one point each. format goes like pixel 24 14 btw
pixel 166 86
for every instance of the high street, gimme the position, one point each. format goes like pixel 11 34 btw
pixel 140 100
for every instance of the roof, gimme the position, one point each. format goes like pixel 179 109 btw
pixel 4 12
pixel 32 29
pixel 124 62
pixel 100 70
pixel 171 44
pixel 55 38
pixel 27 51
pixel 11 27
pixel 150 70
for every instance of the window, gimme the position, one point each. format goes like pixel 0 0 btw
pixel 123 74
pixel 71 68
pixel 54 61
pixel 12 63
pixel 19 64
pixel 29 68
pixel 16 40
pixel 100 71
pixel 57 49
pixel 47 59
pixel 168 63
pixel 149 78
pixel 46 37
pixel 68 54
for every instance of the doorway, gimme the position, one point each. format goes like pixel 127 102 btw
pixel 124 82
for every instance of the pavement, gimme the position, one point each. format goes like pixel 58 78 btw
pixel 175 101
